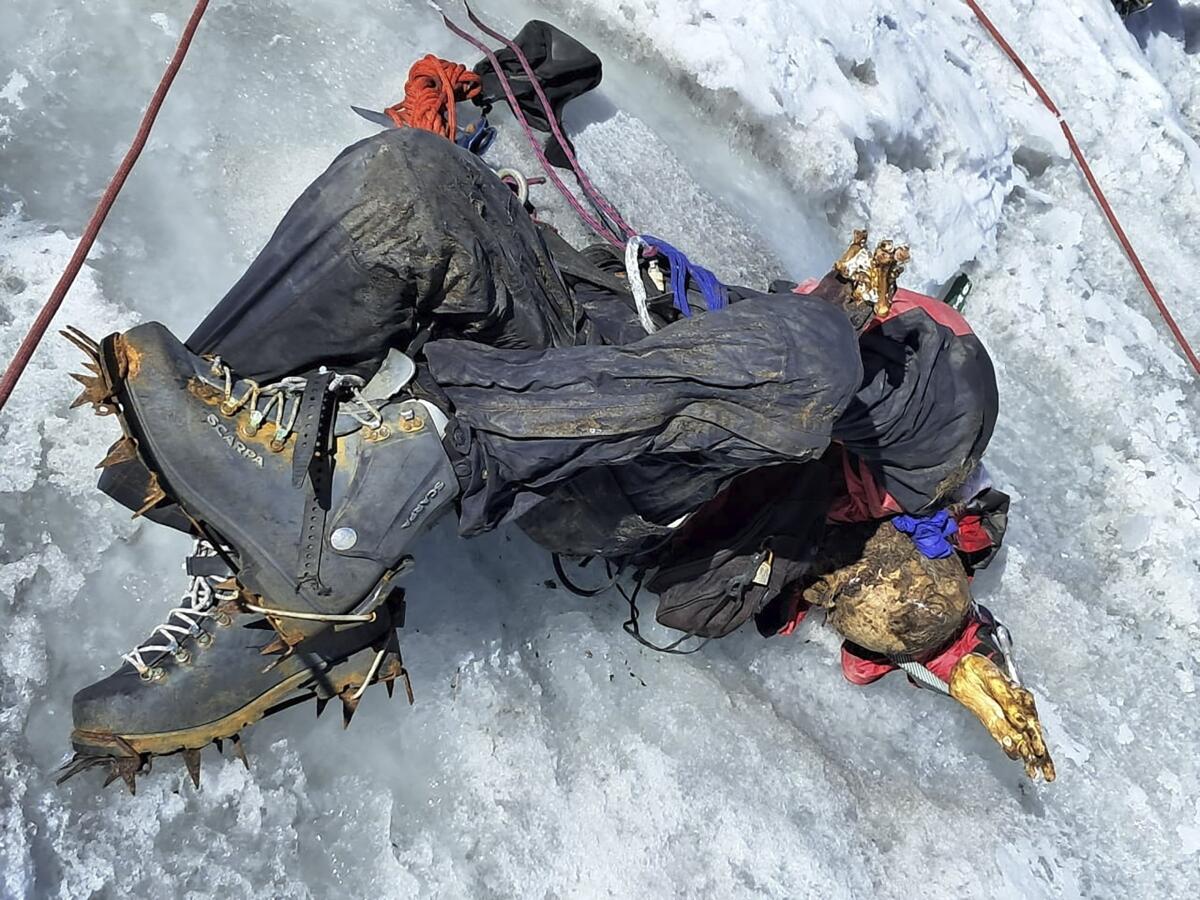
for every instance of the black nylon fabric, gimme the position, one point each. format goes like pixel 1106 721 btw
pixel 991 506
pixel 564 67
pixel 925 410
pixel 403 231
pixel 706 580
pixel 591 434
pixel 675 414
pixel 406 233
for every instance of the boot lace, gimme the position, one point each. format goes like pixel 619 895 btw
pixel 282 398
pixel 197 604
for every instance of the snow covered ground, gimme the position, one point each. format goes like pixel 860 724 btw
pixel 547 755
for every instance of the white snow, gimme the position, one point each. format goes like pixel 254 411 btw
pixel 547 755
pixel 11 92
pixel 161 20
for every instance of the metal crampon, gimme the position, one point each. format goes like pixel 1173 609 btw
pixel 96 389
pixel 101 394
pixel 127 763
pixel 256 631
pixel 133 764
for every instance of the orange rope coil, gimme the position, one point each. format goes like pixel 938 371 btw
pixel 433 88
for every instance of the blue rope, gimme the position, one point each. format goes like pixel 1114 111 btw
pixel 715 295
pixel 929 533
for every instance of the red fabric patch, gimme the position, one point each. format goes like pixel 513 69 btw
pixel 864 500
pixel 935 309
pixel 972 536
pixel 799 610
pixel 858 670
pixel 942 664
pixel 862 671
pixel 905 300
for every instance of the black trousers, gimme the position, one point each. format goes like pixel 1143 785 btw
pixel 407 236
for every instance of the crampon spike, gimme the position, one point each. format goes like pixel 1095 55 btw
pixel 392 669
pixel 89 347
pixel 278 645
pixel 95 391
pixel 81 340
pixel 349 706
pixel 191 759
pixel 122 451
pixel 124 767
pixel 128 769
pixel 220 745
pixel 79 763
pixel 239 750
pixel 322 702
pixel 154 495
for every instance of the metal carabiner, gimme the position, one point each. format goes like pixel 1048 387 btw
pixel 517 181
pixel 1004 642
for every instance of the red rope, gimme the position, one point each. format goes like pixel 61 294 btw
pixel 1091 180
pixel 433 88
pixel 15 368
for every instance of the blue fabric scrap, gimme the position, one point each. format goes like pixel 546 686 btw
pixel 930 533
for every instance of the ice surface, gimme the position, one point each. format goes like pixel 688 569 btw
pixel 547 755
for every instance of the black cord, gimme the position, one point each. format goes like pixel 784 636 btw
pixel 632 629
pixel 576 589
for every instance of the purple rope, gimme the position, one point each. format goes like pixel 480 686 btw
pixel 533 141
pixel 715 295
pixel 601 202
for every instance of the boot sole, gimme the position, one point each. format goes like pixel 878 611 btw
pixel 165 742
pixel 132 753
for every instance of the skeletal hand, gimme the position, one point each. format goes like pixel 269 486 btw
pixel 1006 710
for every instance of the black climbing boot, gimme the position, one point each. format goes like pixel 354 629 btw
pixel 317 485
pixel 212 669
